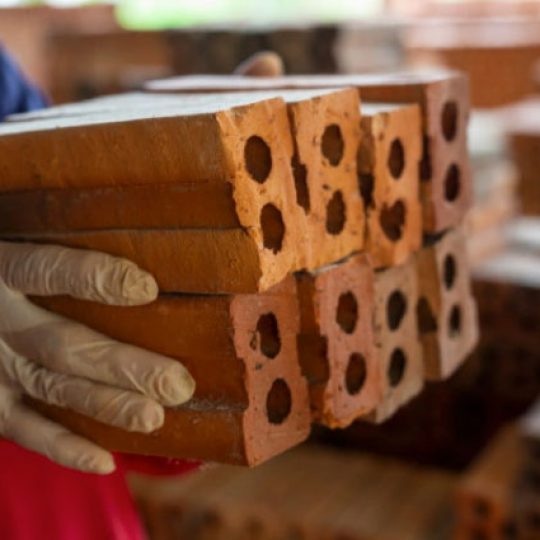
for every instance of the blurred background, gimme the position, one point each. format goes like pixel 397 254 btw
pixel 450 464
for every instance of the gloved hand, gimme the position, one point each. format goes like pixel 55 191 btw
pixel 64 363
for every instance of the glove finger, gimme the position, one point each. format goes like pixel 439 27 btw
pixel 261 64
pixel 112 406
pixel 67 347
pixel 89 275
pixel 35 432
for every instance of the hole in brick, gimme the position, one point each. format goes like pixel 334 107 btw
pixel 392 220
pixel 268 332
pixel 278 402
pixel 450 270
pixel 273 228
pixel 258 158
pixel 454 321
pixel 300 183
pixel 396 158
pixel 452 183
pixel 356 373
pixel 424 315
pixel 335 214
pixel 347 312
pixel 332 144
pixel 396 307
pixel 397 366
pixel 425 166
pixel 366 183
pixel 449 120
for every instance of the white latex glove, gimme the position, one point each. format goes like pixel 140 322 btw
pixel 64 363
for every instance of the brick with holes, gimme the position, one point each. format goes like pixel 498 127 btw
pixel 197 191
pixel 446 309
pixel 388 173
pixel 326 134
pixel 396 336
pixel 443 97
pixel 321 148
pixel 323 204
pixel 336 344
pixel 251 400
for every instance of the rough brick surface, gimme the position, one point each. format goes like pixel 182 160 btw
pixel 251 400
pixel 443 98
pixel 336 343
pixel 320 212
pixel 446 309
pixel 321 148
pixel 231 152
pixel 396 336
pixel 388 175
pixel 326 134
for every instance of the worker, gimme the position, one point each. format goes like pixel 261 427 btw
pixel 54 484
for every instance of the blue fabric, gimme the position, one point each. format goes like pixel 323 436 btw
pixel 17 95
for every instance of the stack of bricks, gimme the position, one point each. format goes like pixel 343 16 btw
pixel 452 420
pixel 317 244
pixel 200 194
pixel 413 176
pixel 309 493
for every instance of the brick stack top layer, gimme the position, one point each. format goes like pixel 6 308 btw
pixel 444 102
pixel 229 156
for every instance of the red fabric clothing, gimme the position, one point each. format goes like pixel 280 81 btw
pixel 39 499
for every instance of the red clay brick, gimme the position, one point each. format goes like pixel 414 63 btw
pixel 251 401
pixel 234 149
pixel 320 212
pixel 336 344
pixel 396 336
pixel 443 97
pixel 388 160
pixel 446 309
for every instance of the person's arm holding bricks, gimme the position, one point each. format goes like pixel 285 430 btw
pixel 60 362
